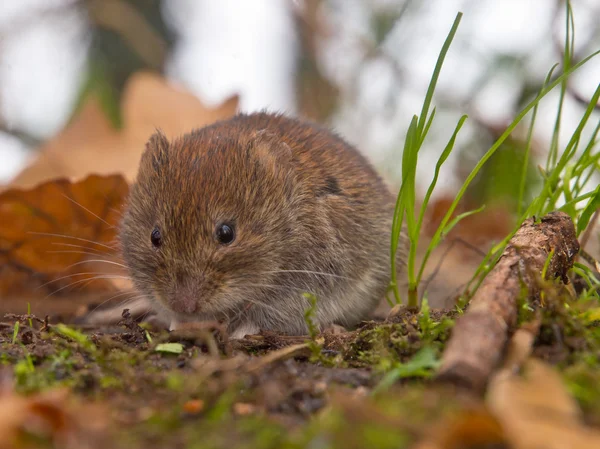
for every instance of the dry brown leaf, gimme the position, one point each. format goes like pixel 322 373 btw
pixel 518 411
pixel 536 411
pixel 89 144
pixel 471 428
pixel 49 231
pixel 50 417
pixel 193 406
pixel 519 347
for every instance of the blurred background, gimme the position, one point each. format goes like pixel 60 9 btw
pixel 83 84
pixel 361 66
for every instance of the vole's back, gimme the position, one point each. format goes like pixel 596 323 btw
pixel 325 161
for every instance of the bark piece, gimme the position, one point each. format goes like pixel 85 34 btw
pixel 480 336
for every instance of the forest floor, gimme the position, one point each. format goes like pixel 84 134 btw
pixel 129 386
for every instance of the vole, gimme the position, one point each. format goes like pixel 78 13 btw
pixel 235 221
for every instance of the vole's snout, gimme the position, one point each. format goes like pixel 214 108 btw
pixel 184 302
pixel 185 297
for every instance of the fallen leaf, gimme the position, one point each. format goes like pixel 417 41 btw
pixel 194 406
pixel 519 347
pixel 528 407
pixel 59 232
pixel 470 428
pixel 91 145
pixel 536 411
pixel 50 418
pixel 171 348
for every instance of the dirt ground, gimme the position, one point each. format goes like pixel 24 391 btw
pixel 130 386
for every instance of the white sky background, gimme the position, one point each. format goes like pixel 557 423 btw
pixel 230 46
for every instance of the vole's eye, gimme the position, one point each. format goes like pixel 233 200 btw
pixel 225 233
pixel 156 237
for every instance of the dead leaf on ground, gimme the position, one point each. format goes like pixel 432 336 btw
pixel 478 427
pixel 536 410
pixel 470 428
pixel 49 233
pixel 49 419
pixel 89 144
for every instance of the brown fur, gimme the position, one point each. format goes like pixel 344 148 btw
pixel 310 213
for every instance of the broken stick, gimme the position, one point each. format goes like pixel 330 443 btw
pixel 480 335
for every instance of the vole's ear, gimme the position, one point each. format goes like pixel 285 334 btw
pixel 271 150
pixel 156 153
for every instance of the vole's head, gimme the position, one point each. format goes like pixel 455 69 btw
pixel 209 218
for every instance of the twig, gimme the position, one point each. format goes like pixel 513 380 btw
pixel 479 338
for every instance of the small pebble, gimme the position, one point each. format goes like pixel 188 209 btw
pixel 243 409
pixel 194 406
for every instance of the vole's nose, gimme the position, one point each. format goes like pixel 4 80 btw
pixel 183 302
pixel 185 297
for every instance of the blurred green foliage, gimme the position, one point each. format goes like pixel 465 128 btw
pixel 498 181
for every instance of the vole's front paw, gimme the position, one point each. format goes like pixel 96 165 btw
pixel 334 329
pixel 244 329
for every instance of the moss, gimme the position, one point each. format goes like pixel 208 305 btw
pixel 383 344
pixel 583 381
pixel 108 382
pixel 568 332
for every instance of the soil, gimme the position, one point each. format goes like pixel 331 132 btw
pixel 265 391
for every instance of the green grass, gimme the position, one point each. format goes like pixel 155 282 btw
pixel 15 332
pixel 73 334
pixel 564 177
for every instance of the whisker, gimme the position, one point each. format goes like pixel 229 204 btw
pixel 280 287
pixel 70 276
pixel 279 315
pixel 71 245
pixel 125 301
pixel 266 306
pixel 118 212
pixel 318 273
pixel 87 253
pixel 85 280
pixel 145 315
pixel 110 262
pixel 48 234
pixel 276 311
pixel 89 211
